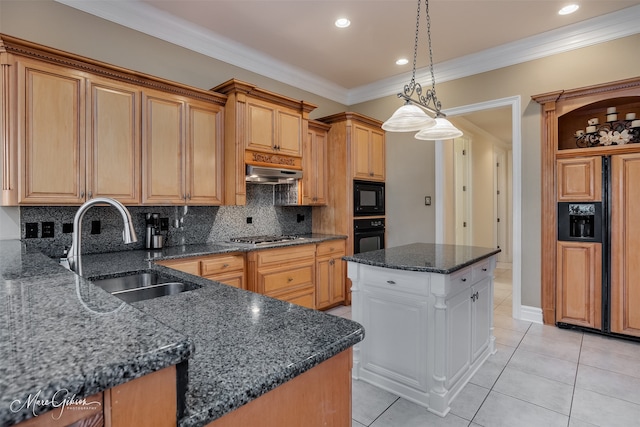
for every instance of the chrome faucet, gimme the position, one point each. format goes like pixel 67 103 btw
pixel 128 234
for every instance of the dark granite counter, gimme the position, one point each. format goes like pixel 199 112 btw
pixel 427 257
pixel 64 332
pixel 60 332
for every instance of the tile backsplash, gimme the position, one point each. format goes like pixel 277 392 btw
pixel 187 224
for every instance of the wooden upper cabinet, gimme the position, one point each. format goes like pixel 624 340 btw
pixel 273 129
pixel 261 128
pixel 51 125
pixel 203 178
pixel 368 153
pixel 113 136
pixel 182 150
pixel 163 144
pixel 75 129
pixel 314 178
pixel 580 179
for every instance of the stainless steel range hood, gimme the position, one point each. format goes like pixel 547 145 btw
pixel 269 175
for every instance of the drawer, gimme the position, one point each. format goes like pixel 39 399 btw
pixel 330 248
pixel 305 298
pixel 222 264
pixel 191 266
pixel 401 280
pixel 282 280
pixel 483 269
pixel 460 280
pixel 285 255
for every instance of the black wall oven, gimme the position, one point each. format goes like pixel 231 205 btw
pixel 368 235
pixel 368 198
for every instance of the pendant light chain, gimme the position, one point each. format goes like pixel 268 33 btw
pixel 415 45
pixel 412 116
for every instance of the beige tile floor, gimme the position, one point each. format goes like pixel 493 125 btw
pixel 541 376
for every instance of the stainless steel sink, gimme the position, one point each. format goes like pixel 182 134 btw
pixel 143 286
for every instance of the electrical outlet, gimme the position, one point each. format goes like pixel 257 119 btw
pixel 300 218
pixel 47 229
pixel 31 230
pixel 164 224
pixel 95 227
pixel 67 227
pixel 249 220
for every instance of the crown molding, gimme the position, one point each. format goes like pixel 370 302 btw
pixel 156 23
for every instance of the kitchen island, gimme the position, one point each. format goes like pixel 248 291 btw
pixel 233 347
pixel 428 312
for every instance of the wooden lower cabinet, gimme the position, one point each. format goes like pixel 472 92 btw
pixel 284 273
pixel 224 268
pixel 148 401
pixel 579 284
pixel 318 397
pixel 330 274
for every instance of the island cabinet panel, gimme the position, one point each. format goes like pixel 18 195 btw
pixel 51 123
pixel 284 273
pixel 319 397
pixel 427 333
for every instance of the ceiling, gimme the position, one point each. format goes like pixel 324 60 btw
pixel 296 42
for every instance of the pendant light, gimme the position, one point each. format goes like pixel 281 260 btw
pixel 412 116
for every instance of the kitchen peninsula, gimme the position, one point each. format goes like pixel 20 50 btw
pixel 230 349
pixel 428 313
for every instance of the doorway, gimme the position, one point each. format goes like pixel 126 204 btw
pixel 512 230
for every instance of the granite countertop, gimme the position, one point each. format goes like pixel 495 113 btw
pixel 427 257
pixel 239 344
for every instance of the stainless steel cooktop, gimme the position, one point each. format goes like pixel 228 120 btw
pixel 258 240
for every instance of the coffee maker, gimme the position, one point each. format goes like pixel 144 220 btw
pixel 154 240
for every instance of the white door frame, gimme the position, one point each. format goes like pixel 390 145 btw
pixel 516 160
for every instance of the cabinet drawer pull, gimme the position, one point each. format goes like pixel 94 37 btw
pixel 391 282
pixel 290 279
pixel 225 265
pixel 484 269
pixel 464 279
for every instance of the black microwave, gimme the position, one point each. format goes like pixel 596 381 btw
pixel 368 198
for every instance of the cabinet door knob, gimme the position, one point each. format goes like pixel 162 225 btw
pixel 82 194
pixel 484 269
pixel 91 194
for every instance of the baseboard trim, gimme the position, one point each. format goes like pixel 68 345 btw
pixel 531 314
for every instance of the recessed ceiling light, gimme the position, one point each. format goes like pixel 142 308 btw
pixel 342 22
pixel 402 61
pixel 568 9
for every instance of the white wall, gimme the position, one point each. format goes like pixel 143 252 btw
pixel 406 187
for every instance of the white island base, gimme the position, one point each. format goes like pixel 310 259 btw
pixel 426 334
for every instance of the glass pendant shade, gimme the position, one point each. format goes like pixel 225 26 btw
pixel 408 118
pixel 442 130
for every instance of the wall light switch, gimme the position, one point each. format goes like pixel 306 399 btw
pixel 427 200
